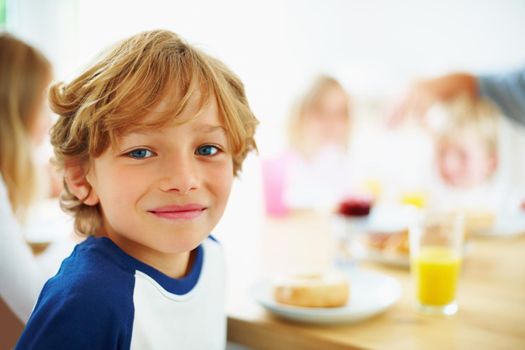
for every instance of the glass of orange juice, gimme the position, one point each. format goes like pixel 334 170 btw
pixel 436 249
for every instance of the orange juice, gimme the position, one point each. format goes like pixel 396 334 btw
pixel 417 199
pixel 436 271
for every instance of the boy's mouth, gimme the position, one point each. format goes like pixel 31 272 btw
pixel 174 212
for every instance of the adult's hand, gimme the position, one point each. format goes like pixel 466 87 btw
pixel 423 94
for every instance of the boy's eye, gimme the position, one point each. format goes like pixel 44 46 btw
pixel 207 150
pixel 140 153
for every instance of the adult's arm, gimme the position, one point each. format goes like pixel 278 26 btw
pixel 20 276
pixel 423 94
pixel 507 91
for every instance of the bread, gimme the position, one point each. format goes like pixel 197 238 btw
pixel 324 290
pixel 395 242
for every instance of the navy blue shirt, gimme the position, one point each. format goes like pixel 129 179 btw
pixel 90 303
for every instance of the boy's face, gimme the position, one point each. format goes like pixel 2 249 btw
pixel 163 190
pixel 465 161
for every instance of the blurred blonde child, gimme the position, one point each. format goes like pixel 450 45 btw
pixel 314 171
pixel 320 119
pixel 467 160
pixel 24 121
pixel 466 145
pixel 150 139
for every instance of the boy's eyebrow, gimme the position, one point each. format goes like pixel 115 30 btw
pixel 208 128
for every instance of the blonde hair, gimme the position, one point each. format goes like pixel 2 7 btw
pixel 470 114
pixel 114 95
pixel 24 74
pixel 310 100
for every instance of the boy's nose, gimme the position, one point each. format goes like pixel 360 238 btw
pixel 179 174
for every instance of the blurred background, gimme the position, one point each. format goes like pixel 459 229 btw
pixel 374 48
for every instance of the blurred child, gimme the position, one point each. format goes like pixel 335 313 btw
pixel 25 117
pixel 466 145
pixel 467 161
pixel 319 132
pixel 24 121
pixel 320 119
pixel 313 172
pixel 150 139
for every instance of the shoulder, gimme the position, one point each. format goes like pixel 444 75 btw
pixel 79 319
pixel 90 274
pixel 84 304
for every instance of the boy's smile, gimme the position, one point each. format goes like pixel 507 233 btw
pixel 162 190
pixel 175 212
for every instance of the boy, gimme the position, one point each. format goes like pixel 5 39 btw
pixel 149 139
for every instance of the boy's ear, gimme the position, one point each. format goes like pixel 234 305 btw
pixel 78 184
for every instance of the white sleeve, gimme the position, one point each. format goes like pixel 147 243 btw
pixel 20 276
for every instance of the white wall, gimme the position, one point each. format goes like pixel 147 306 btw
pixel 374 46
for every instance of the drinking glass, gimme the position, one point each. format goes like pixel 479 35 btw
pixel 436 249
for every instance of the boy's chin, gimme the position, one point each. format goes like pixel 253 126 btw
pixel 179 246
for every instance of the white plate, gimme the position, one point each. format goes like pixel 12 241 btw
pixel 370 294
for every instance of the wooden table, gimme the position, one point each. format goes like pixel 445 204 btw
pixel 491 296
